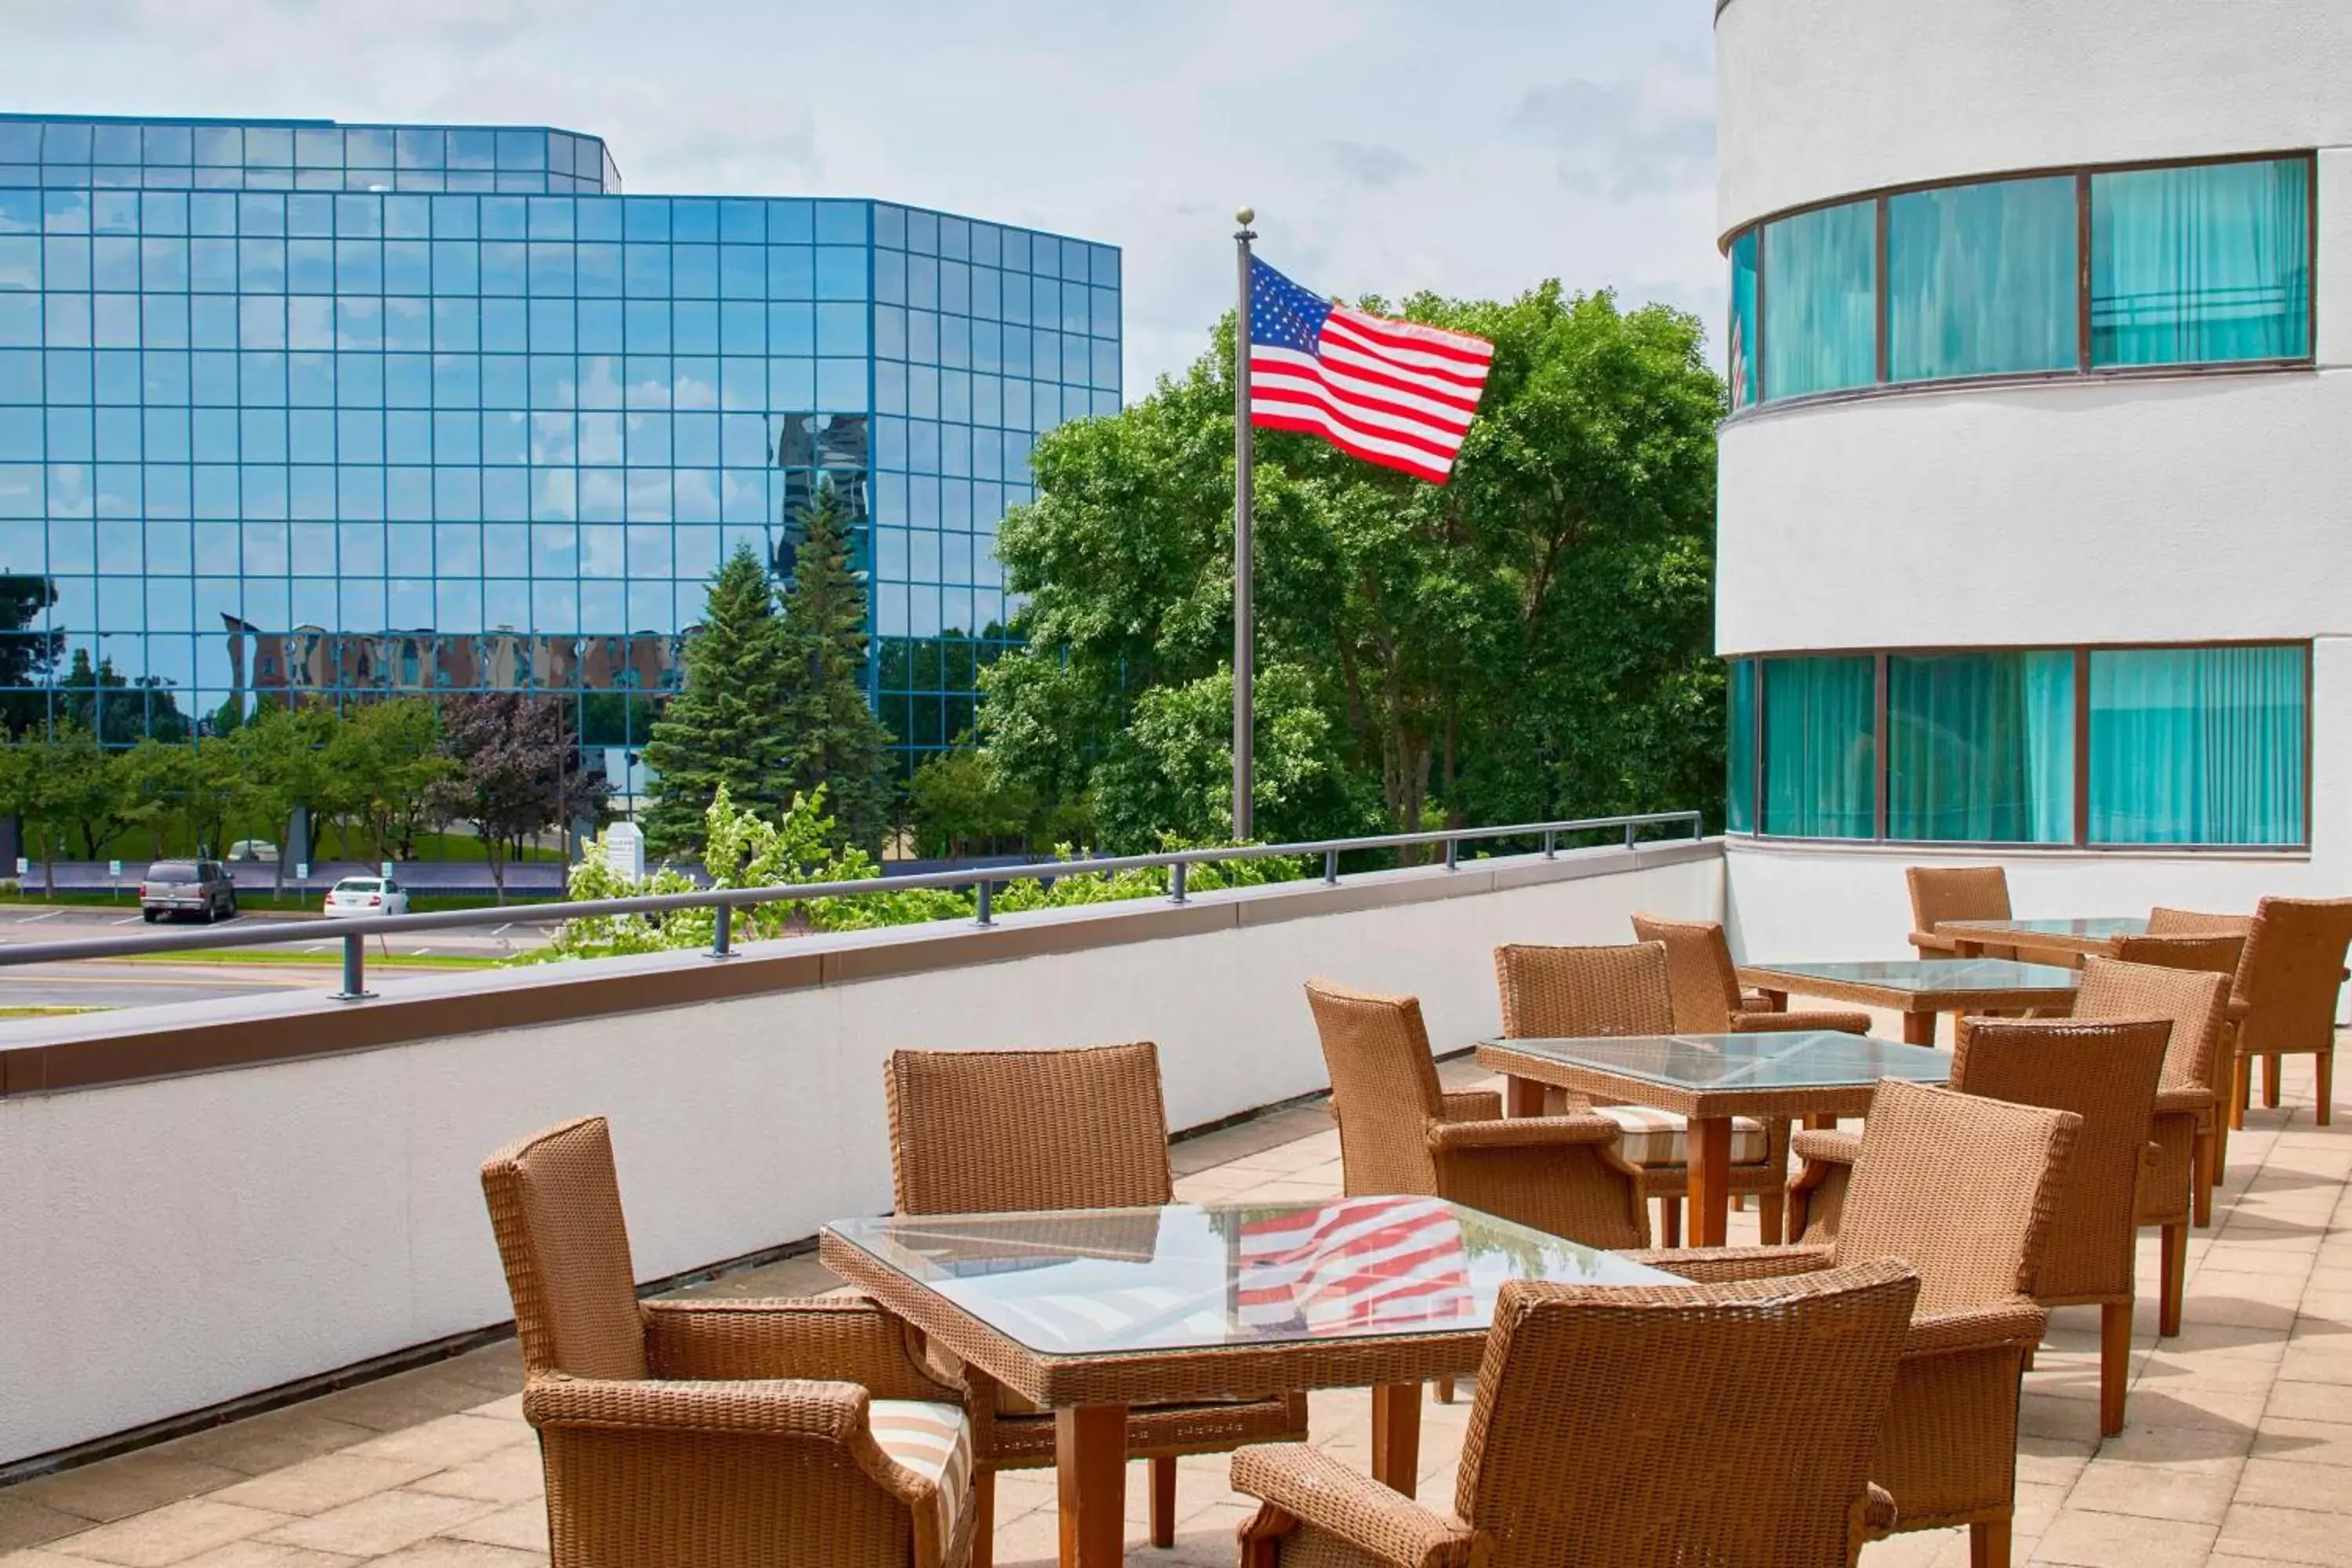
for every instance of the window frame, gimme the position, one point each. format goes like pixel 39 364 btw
pixel 2082 370
pixel 2081 841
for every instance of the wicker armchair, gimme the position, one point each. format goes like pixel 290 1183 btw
pixel 1567 992
pixel 1548 1476
pixel 1399 1133
pixel 2218 953
pixel 2104 1073
pixel 2284 997
pixel 2178 1186
pixel 1955 894
pixel 1965 1189
pixel 999 1132
pixel 1707 998
pixel 723 1432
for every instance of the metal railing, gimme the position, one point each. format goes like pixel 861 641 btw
pixel 724 902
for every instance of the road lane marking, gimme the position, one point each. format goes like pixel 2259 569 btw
pixel 44 915
pixel 126 920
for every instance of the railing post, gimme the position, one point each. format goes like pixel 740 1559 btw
pixel 722 931
pixel 1551 845
pixel 1453 855
pixel 981 913
pixel 1331 867
pixel 1631 828
pixel 1176 883
pixel 354 969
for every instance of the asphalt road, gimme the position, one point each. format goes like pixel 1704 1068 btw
pixel 93 983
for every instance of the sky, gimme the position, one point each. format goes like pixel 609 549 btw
pixel 1387 147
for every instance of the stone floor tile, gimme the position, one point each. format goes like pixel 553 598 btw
pixel 169 1534
pixel 2284 1535
pixel 126 1485
pixel 522 1526
pixel 24 1523
pixel 441 1552
pixel 2079 1538
pixel 329 1482
pixel 385 1522
pixel 35 1557
pixel 2199 1496
pixel 510 1474
pixel 2306 1442
pixel 2309 1401
pixel 255 1444
pixel 448 1441
pixel 2282 1483
pixel 393 1403
pixel 268 1555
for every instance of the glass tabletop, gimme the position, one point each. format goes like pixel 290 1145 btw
pixel 1935 973
pixel 1758 1061
pixel 2090 926
pixel 1186 1276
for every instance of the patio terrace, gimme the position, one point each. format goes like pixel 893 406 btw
pixel 2237 1451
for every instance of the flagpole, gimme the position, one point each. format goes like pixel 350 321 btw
pixel 1245 611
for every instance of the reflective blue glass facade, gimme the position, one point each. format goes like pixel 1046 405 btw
pixel 327 411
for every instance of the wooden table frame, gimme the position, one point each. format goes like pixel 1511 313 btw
pixel 1090 1394
pixel 1708 1111
pixel 1918 1008
pixel 1971 938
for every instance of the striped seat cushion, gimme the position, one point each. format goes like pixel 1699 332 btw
pixel 1656 1137
pixel 933 1441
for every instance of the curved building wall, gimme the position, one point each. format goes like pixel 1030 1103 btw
pixel 2087 507
pixel 1815 99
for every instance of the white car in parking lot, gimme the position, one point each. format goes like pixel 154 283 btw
pixel 357 896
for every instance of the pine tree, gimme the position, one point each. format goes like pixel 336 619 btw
pixel 725 725
pixel 835 740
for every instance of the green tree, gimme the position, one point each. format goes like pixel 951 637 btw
pixel 833 739
pixel 28 656
pixel 155 781
pixel 725 727
pixel 1530 640
pixel 382 767
pixel 280 755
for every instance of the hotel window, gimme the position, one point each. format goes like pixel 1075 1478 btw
pixel 1821 301
pixel 2207 263
pixel 2199 745
pixel 2196 264
pixel 2204 747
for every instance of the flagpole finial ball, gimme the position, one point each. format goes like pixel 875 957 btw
pixel 1245 215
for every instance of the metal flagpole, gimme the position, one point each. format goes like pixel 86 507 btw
pixel 1244 612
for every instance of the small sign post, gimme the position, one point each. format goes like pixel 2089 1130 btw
pixel 625 851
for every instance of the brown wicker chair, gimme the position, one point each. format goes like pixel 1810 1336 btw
pixel 2177 1187
pixel 1547 1476
pixel 1565 993
pixel 1955 894
pixel 1707 998
pixel 1401 1133
pixel 999 1132
pixel 1964 1189
pixel 2284 997
pixel 2104 1072
pixel 719 1432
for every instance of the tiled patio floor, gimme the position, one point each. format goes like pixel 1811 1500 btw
pixel 2239 1448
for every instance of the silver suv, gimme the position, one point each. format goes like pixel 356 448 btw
pixel 198 888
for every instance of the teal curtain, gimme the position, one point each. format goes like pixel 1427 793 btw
pixel 1982 280
pixel 1821 766
pixel 1980 747
pixel 1821 301
pixel 1742 356
pixel 2198 745
pixel 1740 747
pixel 2207 263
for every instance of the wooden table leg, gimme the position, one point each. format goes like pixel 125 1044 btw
pixel 1819 1123
pixel 1777 1000
pixel 1918 1028
pixel 1396 1435
pixel 1522 1095
pixel 1090 1460
pixel 1707 1159
pixel 1966 949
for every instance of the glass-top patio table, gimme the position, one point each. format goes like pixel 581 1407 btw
pixel 1919 988
pixel 1708 1079
pixel 1089 1312
pixel 2069 938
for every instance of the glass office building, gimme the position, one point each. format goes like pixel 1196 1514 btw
pixel 323 412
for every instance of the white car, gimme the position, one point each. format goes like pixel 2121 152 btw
pixel 358 896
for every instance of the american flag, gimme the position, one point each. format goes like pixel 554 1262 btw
pixel 1394 392
pixel 1355 1264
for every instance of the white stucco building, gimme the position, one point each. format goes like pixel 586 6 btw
pixel 2036 500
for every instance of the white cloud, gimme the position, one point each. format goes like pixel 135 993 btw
pixel 1388 146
